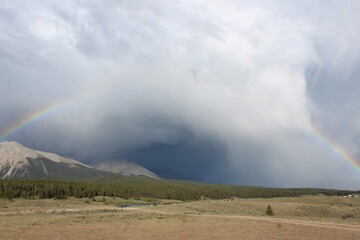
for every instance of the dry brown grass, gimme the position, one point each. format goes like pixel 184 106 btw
pixel 220 219
pixel 319 208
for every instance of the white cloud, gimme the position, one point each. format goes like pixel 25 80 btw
pixel 250 58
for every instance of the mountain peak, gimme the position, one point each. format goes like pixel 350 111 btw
pixel 11 144
pixel 125 167
pixel 15 153
pixel 16 160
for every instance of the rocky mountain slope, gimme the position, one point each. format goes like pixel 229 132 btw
pixel 125 167
pixel 20 162
pixel 17 161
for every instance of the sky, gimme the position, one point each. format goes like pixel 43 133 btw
pixel 233 92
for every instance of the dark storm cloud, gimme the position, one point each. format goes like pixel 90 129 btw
pixel 264 68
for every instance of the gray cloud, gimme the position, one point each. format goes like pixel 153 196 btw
pixel 264 68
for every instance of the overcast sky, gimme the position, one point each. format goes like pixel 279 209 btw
pixel 214 91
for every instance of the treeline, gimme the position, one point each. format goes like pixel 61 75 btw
pixel 62 189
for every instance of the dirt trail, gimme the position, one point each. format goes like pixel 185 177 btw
pixel 298 222
pixel 330 225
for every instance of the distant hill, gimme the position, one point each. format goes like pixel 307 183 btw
pixel 125 167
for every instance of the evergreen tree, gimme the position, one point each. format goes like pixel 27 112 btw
pixel 269 211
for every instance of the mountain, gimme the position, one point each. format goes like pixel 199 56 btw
pixel 17 161
pixel 124 167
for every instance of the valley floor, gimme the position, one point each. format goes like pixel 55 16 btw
pixel 307 217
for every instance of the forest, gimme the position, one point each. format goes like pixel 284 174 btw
pixel 44 189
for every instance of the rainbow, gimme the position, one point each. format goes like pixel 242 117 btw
pixel 39 115
pixel 309 129
pixel 333 147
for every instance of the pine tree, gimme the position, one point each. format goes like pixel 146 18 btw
pixel 269 211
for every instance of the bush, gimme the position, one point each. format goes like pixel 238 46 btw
pixel 269 211
pixel 347 216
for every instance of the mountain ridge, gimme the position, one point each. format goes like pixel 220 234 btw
pixel 16 160
pixel 125 167
pixel 20 162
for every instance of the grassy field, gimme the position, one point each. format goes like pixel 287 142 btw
pixel 307 217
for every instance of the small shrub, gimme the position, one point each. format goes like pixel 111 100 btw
pixel 269 211
pixel 347 216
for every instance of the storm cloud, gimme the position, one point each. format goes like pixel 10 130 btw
pixel 212 91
